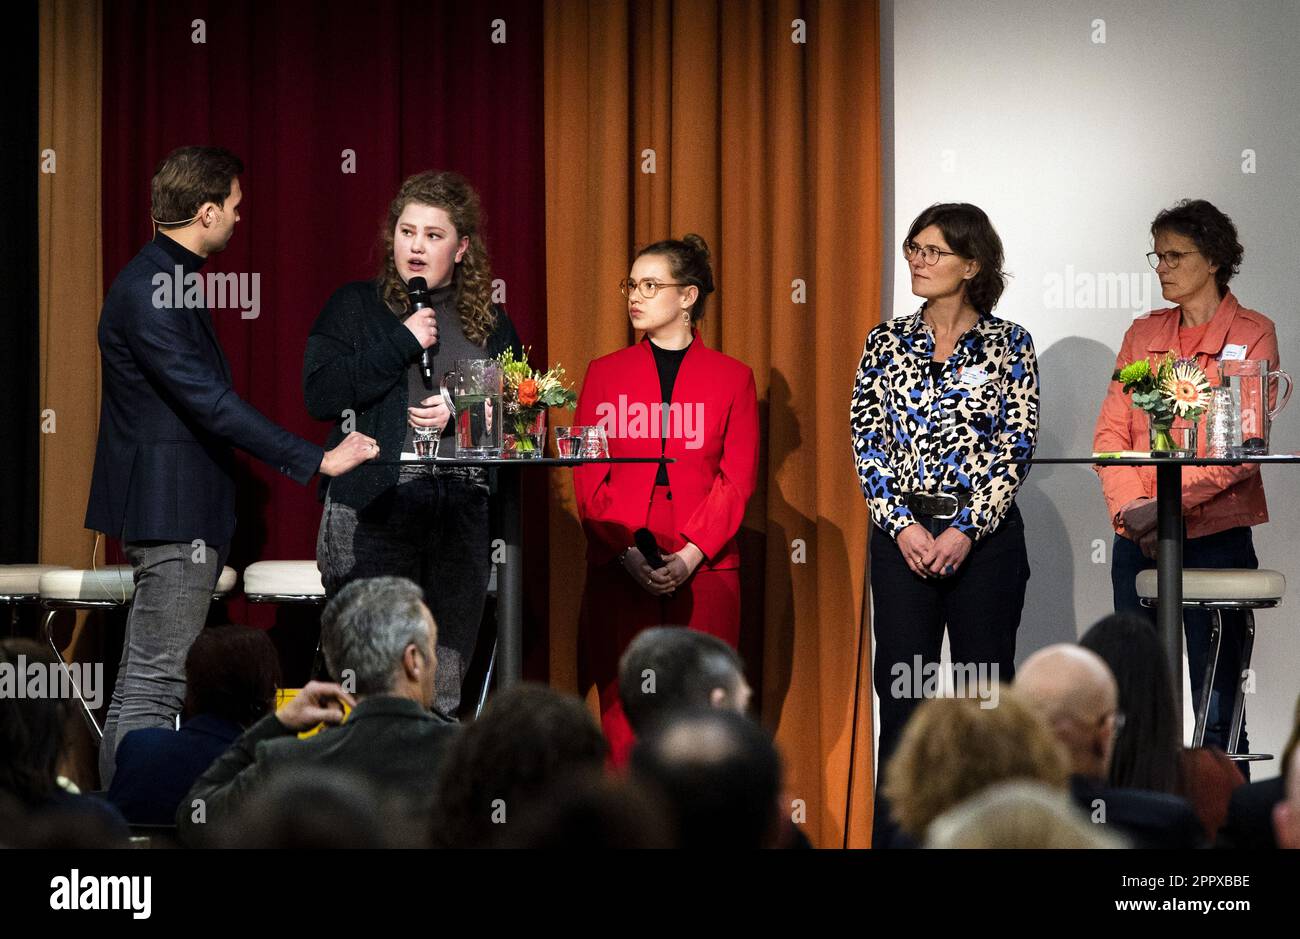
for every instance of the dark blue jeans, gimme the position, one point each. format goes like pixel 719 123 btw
pixel 1231 548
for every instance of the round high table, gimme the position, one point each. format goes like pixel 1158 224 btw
pixel 509 646
pixel 1169 538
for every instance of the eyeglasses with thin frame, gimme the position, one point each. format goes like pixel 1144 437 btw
pixel 646 287
pixel 929 253
pixel 1171 258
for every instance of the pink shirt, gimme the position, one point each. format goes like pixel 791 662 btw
pixel 1215 498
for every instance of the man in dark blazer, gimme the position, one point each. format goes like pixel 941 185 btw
pixel 169 421
pixel 379 641
pixel 1075 692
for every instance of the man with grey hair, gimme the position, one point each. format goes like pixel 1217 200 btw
pixel 379 642
pixel 1075 692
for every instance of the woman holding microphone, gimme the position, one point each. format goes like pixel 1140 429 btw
pixel 363 367
pixel 666 396
pixel 946 400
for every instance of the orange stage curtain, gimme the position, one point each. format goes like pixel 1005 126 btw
pixel 768 147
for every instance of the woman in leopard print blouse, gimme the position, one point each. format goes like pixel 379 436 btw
pixel 946 400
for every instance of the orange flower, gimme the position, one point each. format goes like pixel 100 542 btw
pixel 528 392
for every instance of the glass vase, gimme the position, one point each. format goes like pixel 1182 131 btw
pixel 1175 440
pixel 526 438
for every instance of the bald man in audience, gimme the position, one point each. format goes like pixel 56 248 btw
pixel 1076 693
pixel 1286 814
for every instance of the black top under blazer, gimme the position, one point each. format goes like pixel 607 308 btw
pixel 357 359
pixel 169 417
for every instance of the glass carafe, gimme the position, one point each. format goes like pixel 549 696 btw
pixel 1258 401
pixel 475 389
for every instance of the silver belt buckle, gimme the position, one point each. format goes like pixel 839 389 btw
pixel 955 506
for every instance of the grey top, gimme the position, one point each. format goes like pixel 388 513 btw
pixel 452 345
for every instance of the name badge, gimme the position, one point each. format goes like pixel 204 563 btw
pixel 973 376
pixel 1232 353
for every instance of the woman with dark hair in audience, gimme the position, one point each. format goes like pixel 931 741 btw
pixel 33 732
pixel 1148 751
pixel 665 396
pixel 363 368
pixel 1196 255
pixel 231 676
pixel 946 402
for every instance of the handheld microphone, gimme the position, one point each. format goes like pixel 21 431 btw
pixel 649 548
pixel 417 288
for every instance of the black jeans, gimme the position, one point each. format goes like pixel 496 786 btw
pixel 1231 548
pixel 433 529
pixel 980 606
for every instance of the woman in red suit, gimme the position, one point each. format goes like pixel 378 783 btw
pixel 667 395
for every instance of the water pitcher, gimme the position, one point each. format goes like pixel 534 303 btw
pixel 475 391
pixel 1254 388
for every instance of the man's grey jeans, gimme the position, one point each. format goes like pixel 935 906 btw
pixel 173 588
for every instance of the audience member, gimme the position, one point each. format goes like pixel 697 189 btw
pixel 379 644
pixel 669 668
pixel 503 765
pixel 33 731
pixel 1148 751
pixel 1286 814
pixel 590 811
pixel 720 775
pixel 231 676
pixel 1074 691
pixel 1250 811
pixel 954 748
pixel 313 808
pixel 1018 815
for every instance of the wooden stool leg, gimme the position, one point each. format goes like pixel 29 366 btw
pixel 1239 704
pixel 1207 685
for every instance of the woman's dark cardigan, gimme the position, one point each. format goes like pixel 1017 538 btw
pixel 357 359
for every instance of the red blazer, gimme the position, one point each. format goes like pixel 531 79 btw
pixel 712 434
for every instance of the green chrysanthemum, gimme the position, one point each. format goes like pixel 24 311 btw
pixel 1135 372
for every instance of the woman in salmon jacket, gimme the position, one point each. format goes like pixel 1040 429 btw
pixel 665 396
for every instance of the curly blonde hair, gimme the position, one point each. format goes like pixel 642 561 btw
pixel 953 748
pixel 452 193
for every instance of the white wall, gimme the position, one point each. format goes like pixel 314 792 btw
pixel 1072 146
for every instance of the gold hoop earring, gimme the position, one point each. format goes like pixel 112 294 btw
pixel 686 317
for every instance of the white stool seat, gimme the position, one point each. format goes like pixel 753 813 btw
pixel 1208 584
pixel 283 579
pixel 18 580
pixel 113 584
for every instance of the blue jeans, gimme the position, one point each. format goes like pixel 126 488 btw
pixel 1231 548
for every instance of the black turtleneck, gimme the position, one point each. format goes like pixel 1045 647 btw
pixel 668 362
pixel 187 259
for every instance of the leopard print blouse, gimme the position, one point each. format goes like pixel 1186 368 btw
pixel 913 433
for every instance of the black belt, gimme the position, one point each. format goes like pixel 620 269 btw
pixel 940 505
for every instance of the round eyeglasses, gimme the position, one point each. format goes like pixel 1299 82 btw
pixel 646 288
pixel 930 254
pixel 1171 258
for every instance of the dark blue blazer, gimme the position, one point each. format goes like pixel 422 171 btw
pixel 156 766
pixel 169 418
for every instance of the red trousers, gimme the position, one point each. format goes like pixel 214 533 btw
pixel 615 608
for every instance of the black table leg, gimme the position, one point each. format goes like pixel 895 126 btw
pixel 1169 575
pixel 510 582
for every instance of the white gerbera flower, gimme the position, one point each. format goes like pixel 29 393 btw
pixel 1187 389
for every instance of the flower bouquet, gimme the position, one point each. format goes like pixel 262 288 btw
pixel 1170 390
pixel 526 395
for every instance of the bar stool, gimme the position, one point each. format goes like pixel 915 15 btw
pixel 1216 590
pixel 105 588
pixel 20 585
pixel 284 582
